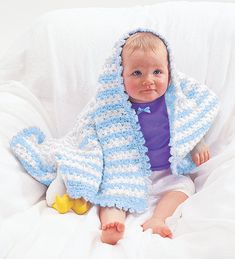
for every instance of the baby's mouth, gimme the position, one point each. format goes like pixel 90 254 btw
pixel 148 90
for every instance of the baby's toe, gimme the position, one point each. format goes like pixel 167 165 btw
pixel 120 227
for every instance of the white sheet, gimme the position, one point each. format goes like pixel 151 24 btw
pixel 58 61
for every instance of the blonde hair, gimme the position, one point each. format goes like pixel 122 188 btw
pixel 145 41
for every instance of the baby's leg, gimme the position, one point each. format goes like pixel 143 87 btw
pixel 112 224
pixel 165 208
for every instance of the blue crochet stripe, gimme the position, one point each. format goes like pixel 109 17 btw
pixel 124 148
pixel 110 121
pixel 40 136
pixel 84 156
pixel 86 163
pixel 199 132
pixel 115 135
pixel 107 78
pixel 69 171
pixel 194 121
pixel 188 111
pixel 118 162
pixel 185 166
pixel 193 91
pixel 183 114
pixel 126 203
pixel 113 106
pixel 38 173
pixel 123 186
pixel 182 166
pixel 112 92
pixel 198 96
pixel 78 189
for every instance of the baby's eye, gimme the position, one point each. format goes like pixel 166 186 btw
pixel 157 72
pixel 136 73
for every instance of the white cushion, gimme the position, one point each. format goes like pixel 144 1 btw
pixel 18 109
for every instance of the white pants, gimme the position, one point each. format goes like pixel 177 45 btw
pixel 164 181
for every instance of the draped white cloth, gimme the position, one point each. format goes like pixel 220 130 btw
pixel 53 70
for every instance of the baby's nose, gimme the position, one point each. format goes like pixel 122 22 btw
pixel 148 82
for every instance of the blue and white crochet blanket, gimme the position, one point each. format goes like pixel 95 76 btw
pixel 103 158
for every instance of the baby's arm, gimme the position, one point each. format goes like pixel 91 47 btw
pixel 200 154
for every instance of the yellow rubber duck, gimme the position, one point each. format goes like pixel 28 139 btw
pixel 81 206
pixel 57 198
pixel 64 203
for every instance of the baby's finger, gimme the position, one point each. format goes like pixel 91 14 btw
pixel 202 159
pixel 209 156
pixel 206 156
pixel 196 159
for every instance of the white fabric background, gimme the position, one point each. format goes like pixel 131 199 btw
pixel 53 70
pixel 16 15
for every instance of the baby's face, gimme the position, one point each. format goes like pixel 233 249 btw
pixel 145 74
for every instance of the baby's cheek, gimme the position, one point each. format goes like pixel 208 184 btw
pixel 130 87
pixel 162 86
pixel 161 90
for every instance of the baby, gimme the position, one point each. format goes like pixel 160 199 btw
pixel 146 121
pixel 146 75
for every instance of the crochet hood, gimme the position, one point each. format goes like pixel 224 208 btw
pixel 103 158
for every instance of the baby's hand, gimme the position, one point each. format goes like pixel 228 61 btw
pixel 200 154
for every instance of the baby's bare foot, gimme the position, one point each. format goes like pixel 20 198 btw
pixel 112 232
pixel 158 226
pixel 112 224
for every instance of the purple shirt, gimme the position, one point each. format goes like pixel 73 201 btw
pixel 154 125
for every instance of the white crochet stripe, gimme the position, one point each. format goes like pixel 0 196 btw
pixel 114 128
pixel 193 114
pixel 80 179
pixel 119 142
pixel 71 153
pixel 131 154
pixel 123 169
pixel 32 139
pixel 192 85
pixel 188 131
pixel 107 86
pixel 81 156
pixel 83 167
pixel 47 146
pixel 110 114
pixel 45 152
pixel 80 124
pixel 92 144
pixel 136 181
pixel 88 131
pixel 193 142
pixel 110 99
pixel 122 192
pixel 23 153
